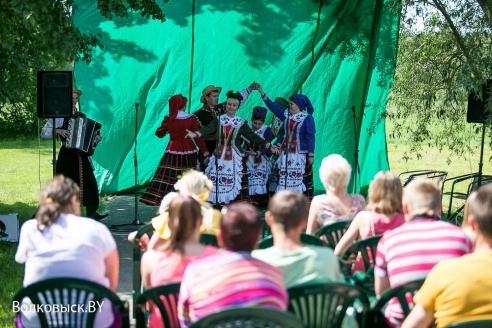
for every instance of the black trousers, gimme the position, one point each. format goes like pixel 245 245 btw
pixel 78 167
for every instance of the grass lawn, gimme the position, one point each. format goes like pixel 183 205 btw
pixel 26 166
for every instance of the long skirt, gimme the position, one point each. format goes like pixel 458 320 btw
pixel 231 180
pixel 291 169
pixel 168 172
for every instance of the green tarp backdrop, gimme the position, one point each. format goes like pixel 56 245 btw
pixel 340 53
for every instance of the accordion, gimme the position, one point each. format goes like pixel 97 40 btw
pixel 82 134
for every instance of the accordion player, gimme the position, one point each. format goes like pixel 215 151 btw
pixel 82 132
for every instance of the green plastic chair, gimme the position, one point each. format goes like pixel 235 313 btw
pixel 367 250
pixel 257 317
pixel 400 293
pixel 74 292
pixel 305 239
pixel 471 324
pixel 165 298
pixel 148 230
pixel 332 233
pixel 321 305
pixel 208 239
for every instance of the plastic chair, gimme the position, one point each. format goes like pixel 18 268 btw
pixel 71 292
pixel 208 239
pixel 367 250
pixel 148 230
pixel 332 233
pixel 437 176
pixel 255 316
pixel 165 298
pixel 305 239
pixel 471 324
pixel 322 305
pixel 400 293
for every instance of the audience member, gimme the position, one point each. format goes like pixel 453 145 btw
pixel 167 262
pixel 409 252
pixel 232 277
pixel 61 243
pixel 383 212
pixel 336 204
pixel 195 184
pixel 466 212
pixel 460 289
pixel 287 216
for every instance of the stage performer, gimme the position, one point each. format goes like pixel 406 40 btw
pixel 296 143
pixel 257 160
pixel 277 127
pixel 180 154
pixel 75 164
pixel 228 160
pixel 211 109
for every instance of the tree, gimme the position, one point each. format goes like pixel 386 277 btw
pixel 440 61
pixel 40 35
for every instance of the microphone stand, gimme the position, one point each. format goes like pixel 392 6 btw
pixel 356 152
pixel 287 148
pixel 217 143
pixel 136 221
pixel 54 146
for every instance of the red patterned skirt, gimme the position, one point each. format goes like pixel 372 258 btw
pixel 170 169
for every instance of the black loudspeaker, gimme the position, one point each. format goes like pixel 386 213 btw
pixel 54 94
pixel 476 106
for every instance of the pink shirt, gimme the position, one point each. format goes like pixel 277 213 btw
pixel 171 268
pixel 409 252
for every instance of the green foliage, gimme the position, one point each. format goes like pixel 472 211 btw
pixel 438 64
pixel 40 35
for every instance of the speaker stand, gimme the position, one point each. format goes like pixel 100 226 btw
pixel 480 163
pixel 54 146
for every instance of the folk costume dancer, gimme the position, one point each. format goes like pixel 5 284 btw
pixel 258 164
pixel 180 154
pixel 277 126
pixel 296 143
pixel 225 167
pixel 75 164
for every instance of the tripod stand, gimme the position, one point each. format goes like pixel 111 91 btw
pixel 136 222
pixel 356 171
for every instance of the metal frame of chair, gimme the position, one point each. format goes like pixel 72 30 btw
pixel 472 181
pixel 399 293
pixel 438 176
pixel 65 291
pixel 333 232
pixel 305 239
pixel 364 247
pixel 246 317
pixel 165 298
pixel 320 305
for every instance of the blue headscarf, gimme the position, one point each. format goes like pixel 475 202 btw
pixel 303 103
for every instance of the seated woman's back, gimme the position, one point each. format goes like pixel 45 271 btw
pixel 374 223
pixel 60 243
pixel 333 208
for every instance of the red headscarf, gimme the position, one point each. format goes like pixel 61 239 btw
pixel 176 103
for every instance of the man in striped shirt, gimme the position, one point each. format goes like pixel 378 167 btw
pixel 231 277
pixel 409 252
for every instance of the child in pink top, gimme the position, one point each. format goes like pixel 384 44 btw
pixel 167 261
pixel 383 213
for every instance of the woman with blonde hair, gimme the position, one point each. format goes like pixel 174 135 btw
pixel 61 243
pixel 383 212
pixel 336 204
pixel 167 261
